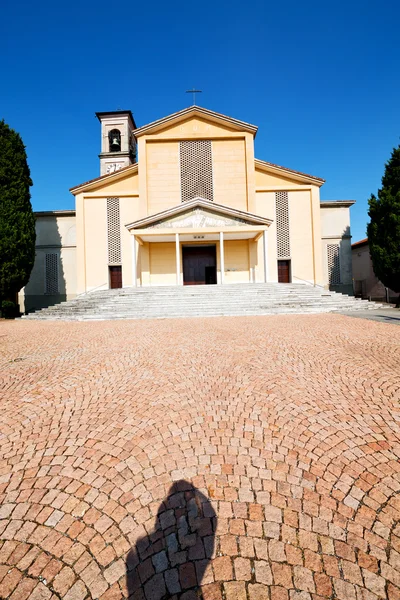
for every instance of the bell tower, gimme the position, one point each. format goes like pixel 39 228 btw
pixel 118 143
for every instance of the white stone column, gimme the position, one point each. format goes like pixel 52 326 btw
pixel 134 271
pixel 178 260
pixel 265 252
pixel 221 256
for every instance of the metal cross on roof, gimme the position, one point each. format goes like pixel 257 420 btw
pixel 194 92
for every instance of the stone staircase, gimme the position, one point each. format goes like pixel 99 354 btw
pixel 201 301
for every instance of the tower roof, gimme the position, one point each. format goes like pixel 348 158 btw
pixel 119 113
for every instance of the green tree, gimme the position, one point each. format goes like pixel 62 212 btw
pixel 384 229
pixel 17 221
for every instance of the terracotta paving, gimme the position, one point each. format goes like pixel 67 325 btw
pixel 224 459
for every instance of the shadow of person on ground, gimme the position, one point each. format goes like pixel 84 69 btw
pixel 170 562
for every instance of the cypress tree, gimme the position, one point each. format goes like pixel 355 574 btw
pixel 17 221
pixel 384 229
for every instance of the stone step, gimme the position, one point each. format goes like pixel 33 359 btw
pixel 156 301
pixel 207 306
pixel 198 301
pixel 173 314
pixel 198 311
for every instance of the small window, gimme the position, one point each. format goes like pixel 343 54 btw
pixel 51 273
pixel 114 138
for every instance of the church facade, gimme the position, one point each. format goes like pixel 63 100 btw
pixel 184 201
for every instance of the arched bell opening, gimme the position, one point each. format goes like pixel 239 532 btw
pixel 114 138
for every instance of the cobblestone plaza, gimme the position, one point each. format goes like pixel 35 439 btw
pixel 223 458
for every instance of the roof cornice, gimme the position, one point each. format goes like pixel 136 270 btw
pixel 54 213
pixel 93 183
pixel 196 111
pixel 279 170
pixel 116 113
pixel 336 203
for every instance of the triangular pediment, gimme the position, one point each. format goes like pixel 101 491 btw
pixel 199 217
pixel 203 115
pixel 198 213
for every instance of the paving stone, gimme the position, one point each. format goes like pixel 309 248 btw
pixel 262 572
pixel 242 569
pixel 235 590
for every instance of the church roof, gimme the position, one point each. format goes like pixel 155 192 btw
pixel 196 111
pixel 363 242
pixel 272 167
pixel 113 175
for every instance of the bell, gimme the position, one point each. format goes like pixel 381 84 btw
pixel 115 142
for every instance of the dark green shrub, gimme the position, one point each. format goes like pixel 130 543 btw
pixel 8 309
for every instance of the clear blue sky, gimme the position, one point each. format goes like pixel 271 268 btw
pixel 320 79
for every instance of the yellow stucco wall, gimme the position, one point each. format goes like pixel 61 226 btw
pixel 265 205
pixel 236 255
pixel 129 211
pixel 316 238
pixel 162 263
pixel 264 179
pixel 301 248
pixel 96 255
pixel 163 186
pixel 229 173
pixel 194 127
pixel 163 176
pixel 123 183
pixel 144 260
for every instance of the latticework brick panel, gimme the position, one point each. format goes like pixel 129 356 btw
pixel 196 170
pixel 113 231
pixel 333 256
pixel 51 273
pixel 282 224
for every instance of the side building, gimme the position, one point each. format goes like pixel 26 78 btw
pixel 53 277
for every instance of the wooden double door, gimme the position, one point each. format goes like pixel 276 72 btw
pixel 199 265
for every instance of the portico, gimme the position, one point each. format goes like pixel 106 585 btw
pixel 199 242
